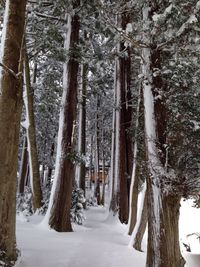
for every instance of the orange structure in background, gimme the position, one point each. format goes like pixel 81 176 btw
pixel 103 176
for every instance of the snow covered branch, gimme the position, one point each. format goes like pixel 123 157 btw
pixel 184 26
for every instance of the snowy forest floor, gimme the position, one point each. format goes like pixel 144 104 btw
pixel 100 242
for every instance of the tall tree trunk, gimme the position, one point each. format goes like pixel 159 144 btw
pixel 103 169
pixel 113 177
pixel 23 166
pixel 58 213
pixel 31 138
pixel 163 210
pixel 133 198
pixel 126 154
pixel 97 178
pixel 82 126
pixel 10 114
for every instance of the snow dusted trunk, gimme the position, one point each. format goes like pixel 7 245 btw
pixel 163 208
pixel 133 196
pixel 23 167
pixel 140 226
pixel 82 126
pixel 31 138
pixel 60 200
pixel 10 115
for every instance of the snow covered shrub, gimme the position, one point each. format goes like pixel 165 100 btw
pixel 24 202
pixel 91 201
pixel 78 200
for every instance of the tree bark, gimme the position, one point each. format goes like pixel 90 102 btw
pixel 31 138
pixel 60 202
pixel 141 224
pixel 23 167
pixel 10 114
pixel 163 209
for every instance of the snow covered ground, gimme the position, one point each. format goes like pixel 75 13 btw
pixel 101 241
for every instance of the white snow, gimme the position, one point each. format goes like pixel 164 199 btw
pixel 99 242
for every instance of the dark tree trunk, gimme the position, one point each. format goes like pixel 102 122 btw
pixel 23 167
pixel 10 114
pixel 126 153
pixel 97 178
pixel 31 136
pixel 82 128
pixel 64 174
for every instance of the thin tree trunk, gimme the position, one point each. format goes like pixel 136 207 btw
pixel 10 114
pixel 133 198
pixel 140 227
pixel 82 126
pixel 97 178
pixel 23 167
pixel 31 138
pixel 112 178
pixel 58 213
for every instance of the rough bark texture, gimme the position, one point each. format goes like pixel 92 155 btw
pixel 168 250
pixel 126 153
pixel 10 114
pixel 23 167
pixel 31 136
pixel 60 211
pixel 163 209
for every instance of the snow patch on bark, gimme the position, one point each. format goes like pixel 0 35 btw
pixel 59 154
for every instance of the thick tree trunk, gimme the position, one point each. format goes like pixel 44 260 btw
pixel 125 142
pixel 163 231
pixel 60 202
pixel 23 167
pixel 10 114
pixel 31 138
pixel 163 209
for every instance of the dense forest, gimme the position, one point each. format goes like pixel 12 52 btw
pixel 99 103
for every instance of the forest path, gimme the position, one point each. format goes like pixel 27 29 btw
pixel 100 242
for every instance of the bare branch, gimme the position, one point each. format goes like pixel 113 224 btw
pixel 9 70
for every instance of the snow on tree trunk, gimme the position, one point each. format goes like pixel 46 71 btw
pixel 23 167
pixel 133 196
pixel 163 208
pixel 140 226
pixel 10 115
pixel 58 214
pixel 31 138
